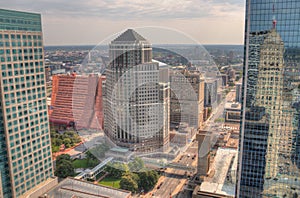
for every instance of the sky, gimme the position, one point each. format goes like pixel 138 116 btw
pixel 88 22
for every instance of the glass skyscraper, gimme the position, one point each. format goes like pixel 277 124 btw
pixel 25 146
pixel 269 152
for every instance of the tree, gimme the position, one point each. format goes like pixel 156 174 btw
pixel 63 157
pixel 231 84
pixel 64 169
pixel 209 110
pixel 55 149
pixel 147 180
pixel 128 183
pixel 91 159
pixel 136 165
pixel 64 166
pixel 67 142
pixel 116 169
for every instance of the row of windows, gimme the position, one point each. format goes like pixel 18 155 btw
pixel 5 66
pixel 20 51
pixel 19 36
pixel 20 58
pixel 20 44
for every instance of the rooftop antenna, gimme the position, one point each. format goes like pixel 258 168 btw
pixel 274 18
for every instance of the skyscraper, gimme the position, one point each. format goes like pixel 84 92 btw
pixel 238 92
pixel 269 157
pixel 25 146
pixel 181 99
pixel 133 115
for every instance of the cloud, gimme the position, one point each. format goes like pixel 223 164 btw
pixel 90 21
pixel 130 9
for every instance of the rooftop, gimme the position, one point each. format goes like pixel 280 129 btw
pixel 130 35
pixel 77 188
pixel 119 149
pixel 224 162
pixel 233 105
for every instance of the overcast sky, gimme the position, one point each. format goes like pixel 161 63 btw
pixel 72 22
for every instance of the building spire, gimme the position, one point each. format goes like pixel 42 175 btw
pixel 274 23
pixel 274 18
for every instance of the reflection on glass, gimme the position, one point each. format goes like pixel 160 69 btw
pixel 269 141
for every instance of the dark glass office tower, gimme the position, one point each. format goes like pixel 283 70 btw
pixel 269 158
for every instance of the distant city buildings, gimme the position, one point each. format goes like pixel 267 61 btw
pixel 25 145
pixel 232 112
pixel 238 92
pixel 224 79
pixel 210 92
pixel 133 114
pixel 269 140
pixel 231 74
pixel 181 97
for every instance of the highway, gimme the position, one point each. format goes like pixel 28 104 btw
pixel 174 179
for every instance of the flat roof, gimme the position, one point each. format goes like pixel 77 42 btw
pixel 71 187
pixel 223 163
pixel 119 149
pixel 233 105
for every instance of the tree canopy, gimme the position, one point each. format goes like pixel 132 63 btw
pixel 64 167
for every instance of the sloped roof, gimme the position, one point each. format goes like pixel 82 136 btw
pixel 130 35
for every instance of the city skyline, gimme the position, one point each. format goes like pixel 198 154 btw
pixel 86 23
pixel 149 109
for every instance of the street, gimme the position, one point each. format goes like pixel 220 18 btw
pixel 173 181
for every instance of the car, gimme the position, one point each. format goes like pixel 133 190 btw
pixel 189 155
pixel 159 185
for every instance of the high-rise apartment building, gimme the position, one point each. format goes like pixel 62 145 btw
pixel 269 158
pixel 133 113
pixel 25 146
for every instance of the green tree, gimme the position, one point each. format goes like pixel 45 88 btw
pixel 136 165
pixel 56 141
pixel 116 169
pixel 67 142
pixel 128 183
pixel 91 159
pixel 231 84
pixel 147 180
pixel 209 110
pixel 64 169
pixel 64 166
pixel 63 157
pixel 55 149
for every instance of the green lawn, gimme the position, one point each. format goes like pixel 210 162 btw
pixel 80 163
pixel 110 181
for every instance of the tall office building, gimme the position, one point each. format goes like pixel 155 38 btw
pixel 269 158
pixel 183 103
pixel 133 113
pixel 238 92
pixel 25 146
